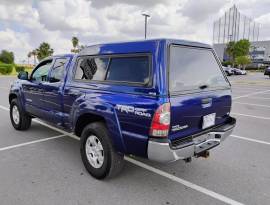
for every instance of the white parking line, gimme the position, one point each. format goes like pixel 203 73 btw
pixel 254 116
pixel 4 108
pixel 32 142
pixel 155 170
pixel 240 91
pixel 246 89
pixel 184 182
pixel 259 98
pixel 251 140
pixel 258 105
pixel 250 94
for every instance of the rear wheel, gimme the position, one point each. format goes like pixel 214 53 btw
pixel 97 152
pixel 19 119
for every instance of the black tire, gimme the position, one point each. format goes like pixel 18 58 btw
pixel 113 161
pixel 24 120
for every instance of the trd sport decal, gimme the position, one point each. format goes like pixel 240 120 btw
pixel 130 109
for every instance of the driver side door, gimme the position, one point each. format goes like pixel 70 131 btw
pixel 33 90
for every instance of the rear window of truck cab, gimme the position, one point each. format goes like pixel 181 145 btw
pixel 120 69
pixel 192 68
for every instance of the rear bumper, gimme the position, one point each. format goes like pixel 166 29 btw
pixel 165 152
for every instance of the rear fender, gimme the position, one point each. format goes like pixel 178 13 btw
pixel 107 112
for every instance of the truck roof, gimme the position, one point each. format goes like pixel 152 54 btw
pixel 68 55
pixel 136 46
pixel 131 46
pixel 64 55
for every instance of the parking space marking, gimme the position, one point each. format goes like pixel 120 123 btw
pixel 4 108
pixel 258 105
pixel 259 98
pixel 254 116
pixel 235 91
pixel 184 182
pixel 147 167
pixel 31 142
pixel 249 139
pixel 5 88
pixel 246 89
pixel 250 94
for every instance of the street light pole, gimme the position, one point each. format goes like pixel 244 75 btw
pixel 145 23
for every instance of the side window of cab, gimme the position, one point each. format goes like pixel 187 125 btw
pixel 40 74
pixel 121 69
pixel 91 68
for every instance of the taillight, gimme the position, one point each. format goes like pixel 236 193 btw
pixel 161 121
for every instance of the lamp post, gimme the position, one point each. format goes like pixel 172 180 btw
pixel 145 23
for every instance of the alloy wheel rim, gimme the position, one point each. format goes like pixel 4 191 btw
pixel 94 151
pixel 15 115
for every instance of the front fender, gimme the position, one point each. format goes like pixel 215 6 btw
pixel 16 91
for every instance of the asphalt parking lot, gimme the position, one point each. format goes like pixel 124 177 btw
pixel 43 166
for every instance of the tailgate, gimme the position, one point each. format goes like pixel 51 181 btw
pixel 187 111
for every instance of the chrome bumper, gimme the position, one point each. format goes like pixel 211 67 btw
pixel 164 152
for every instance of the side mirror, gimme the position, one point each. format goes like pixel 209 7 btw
pixel 23 75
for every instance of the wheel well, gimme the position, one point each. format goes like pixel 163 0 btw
pixel 84 120
pixel 11 97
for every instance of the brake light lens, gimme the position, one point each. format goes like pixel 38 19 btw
pixel 161 121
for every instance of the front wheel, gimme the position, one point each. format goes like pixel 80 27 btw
pixel 19 119
pixel 99 157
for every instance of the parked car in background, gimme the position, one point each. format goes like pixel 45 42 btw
pixel 228 71
pixel 267 71
pixel 237 71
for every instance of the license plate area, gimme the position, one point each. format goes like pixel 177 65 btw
pixel 208 120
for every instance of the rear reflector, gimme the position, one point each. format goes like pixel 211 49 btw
pixel 161 121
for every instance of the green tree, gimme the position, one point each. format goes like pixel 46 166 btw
pixel 237 49
pixel 75 44
pixel 44 50
pixel 7 57
pixel 241 48
pixel 243 61
pixel 231 51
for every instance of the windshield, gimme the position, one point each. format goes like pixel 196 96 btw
pixel 194 68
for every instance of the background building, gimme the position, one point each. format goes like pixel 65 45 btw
pixel 234 26
pixel 259 51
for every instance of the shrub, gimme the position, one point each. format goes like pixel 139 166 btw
pixel 226 63
pixel 19 68
pixel 5 69
pixel 7 57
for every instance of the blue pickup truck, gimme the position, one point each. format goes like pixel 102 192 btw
pixel 161 99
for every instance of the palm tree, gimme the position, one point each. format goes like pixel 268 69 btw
pixel 34 53
pixel 75 43
pixel 44 50
pixel 29 56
